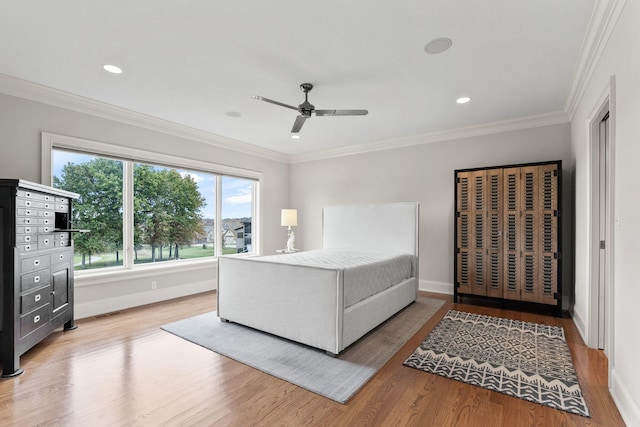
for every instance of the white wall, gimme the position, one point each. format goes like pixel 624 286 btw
pixel 621 60
pixel 21 124
pixel 425 174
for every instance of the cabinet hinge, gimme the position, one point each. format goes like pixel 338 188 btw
pixel 602 244
pixel 555 213
pixel 457 250
pixel 556 296
pixel 458 214
pixel 556 172
pixel 457 180
pixel 556 255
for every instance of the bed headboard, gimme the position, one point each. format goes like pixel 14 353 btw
pixel 379 226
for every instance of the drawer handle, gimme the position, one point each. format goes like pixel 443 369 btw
pixel 47 205
pixel 62 236
pixel 27 194
pixel 47 198
pixel 38 297
pixel 36 279
pixel 46 213
pixel 27 203
pixel 46 241
pixel 27 238
pixel 27 248
pixel 46 229
pixel 61 256
pixel 27 229
pixel 36 319
pixel 27 221
pixel 36 262
pixel 27 212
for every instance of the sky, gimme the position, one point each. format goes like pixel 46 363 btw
pixel 236 192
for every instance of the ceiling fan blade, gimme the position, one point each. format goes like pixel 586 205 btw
pixel 297 125
pixel 262 98
pixel 341 112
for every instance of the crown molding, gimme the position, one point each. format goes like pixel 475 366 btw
pixel 603 20
pixel 541 120
pixel 35 92
pixel 32 91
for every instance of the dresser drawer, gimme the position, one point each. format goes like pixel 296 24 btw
pixel 26 238
pixel 62 257
pixel 34 195
pixel 35 280
pixel 34 220
pixel 35 263
pixel 45 213
pixel 35 299
pixel 33 320
pixel 27 229
pixel 45 241
pixel 27 247
pixel 27 194
pixel 30 204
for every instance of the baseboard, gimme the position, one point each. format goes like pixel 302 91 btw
pixel 122 302
pixel 626 404
pixel 580 325
pixel 436 287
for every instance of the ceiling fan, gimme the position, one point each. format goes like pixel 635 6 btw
pixel 306 109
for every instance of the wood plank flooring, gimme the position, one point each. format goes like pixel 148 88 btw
pixel 122 370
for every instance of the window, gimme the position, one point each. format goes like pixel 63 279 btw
pixel 98 180
pixel 170 219
pixel 143 212
pixel 237 208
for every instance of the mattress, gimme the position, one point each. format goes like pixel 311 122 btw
pixel 364 273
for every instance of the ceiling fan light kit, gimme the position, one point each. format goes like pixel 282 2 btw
pixel 306 109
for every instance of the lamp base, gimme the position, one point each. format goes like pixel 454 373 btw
pixel 291 240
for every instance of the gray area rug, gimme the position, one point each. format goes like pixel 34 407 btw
pixel 337 378
pixel 522 359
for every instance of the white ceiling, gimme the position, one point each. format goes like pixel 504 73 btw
pixel 194 61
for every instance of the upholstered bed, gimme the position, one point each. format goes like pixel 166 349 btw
pixel 329 298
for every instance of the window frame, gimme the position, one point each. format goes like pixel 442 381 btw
pixel 130 156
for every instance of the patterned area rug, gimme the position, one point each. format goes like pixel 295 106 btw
pixel 522 359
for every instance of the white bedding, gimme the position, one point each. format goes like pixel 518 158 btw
pixel 365 273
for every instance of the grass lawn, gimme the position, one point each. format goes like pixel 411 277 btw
pixel 144 256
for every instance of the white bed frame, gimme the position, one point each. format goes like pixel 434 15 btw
pixel 305 304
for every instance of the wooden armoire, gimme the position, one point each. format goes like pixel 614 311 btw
pixel 507 233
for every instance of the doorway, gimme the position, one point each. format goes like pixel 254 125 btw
pixel 602 230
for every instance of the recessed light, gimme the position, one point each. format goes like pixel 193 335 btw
pixel 463 100
pixel 438 45
pixel 112 69
pixel 295 136
pixel 233 114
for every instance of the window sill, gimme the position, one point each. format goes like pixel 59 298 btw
pixel 117 274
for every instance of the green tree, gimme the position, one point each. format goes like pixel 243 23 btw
pixel 99 207
pixel 167 209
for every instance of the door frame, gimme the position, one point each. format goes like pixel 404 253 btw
pixel 604 106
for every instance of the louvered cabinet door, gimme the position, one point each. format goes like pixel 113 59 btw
pixel 511 247
pixel 471 240
pixel 530 235
pixel 463 237
pixel 548 238
pixel 494 218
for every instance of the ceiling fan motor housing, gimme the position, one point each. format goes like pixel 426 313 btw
pixel 306 108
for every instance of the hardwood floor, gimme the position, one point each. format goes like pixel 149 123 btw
pixel 121 369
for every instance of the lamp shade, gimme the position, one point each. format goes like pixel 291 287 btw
pixel 289 217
